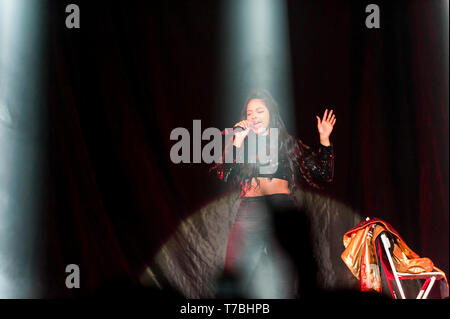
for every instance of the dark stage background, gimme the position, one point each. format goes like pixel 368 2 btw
pixel 136 70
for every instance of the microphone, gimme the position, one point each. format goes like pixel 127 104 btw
pixel 236 129
pixel 240 128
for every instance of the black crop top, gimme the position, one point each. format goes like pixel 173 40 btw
pixel 283 171
pixel 319 166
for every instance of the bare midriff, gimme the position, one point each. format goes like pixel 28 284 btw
pixel 266 187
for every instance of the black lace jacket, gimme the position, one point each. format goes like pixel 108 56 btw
pixel 320 165
pixel 315 168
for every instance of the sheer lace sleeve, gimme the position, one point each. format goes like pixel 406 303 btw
pixel 320 164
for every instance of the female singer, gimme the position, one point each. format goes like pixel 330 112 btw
pixel 253 254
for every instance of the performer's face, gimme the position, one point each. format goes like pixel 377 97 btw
pixel 258 114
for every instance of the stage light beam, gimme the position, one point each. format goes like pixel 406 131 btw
pixel 255 53
pixel 21 114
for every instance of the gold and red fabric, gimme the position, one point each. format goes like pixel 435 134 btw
pixel 361 258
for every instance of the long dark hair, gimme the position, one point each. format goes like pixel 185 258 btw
pixel 289 147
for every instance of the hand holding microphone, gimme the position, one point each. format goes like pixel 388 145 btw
pixel 241 130
pixel 243 125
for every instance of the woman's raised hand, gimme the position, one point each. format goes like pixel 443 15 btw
pixel 325 126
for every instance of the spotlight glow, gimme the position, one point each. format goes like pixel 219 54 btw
pixel 255 54
pixel 21 92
